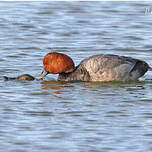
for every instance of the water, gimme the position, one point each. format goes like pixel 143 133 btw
pixel 44 116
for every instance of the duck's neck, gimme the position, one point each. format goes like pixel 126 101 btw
pixel 79 74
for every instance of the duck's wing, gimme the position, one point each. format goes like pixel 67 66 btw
pixel 112 67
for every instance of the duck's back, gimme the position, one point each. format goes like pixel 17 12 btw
pixel 107 67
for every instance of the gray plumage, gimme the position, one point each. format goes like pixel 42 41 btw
pixel 107 67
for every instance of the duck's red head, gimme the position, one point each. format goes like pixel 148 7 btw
pixel 56 63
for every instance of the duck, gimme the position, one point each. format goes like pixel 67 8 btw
pixel 100 67
pixel 21 77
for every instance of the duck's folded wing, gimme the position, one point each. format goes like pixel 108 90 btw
pixel 109 67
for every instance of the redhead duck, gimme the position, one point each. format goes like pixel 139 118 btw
pixel 102 67
pixel 21 77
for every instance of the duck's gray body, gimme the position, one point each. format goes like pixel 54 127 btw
pixel 107 67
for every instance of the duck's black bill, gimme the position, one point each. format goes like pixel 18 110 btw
pixel 41 75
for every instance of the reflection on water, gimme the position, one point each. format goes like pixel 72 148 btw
pixel 48 115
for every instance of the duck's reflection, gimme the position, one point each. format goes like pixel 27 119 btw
pixel 57 87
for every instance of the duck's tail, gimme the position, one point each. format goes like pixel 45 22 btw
pixel 8 78
pixel 149 68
